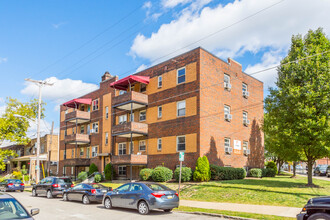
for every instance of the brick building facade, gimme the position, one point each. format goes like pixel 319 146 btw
pixel 195 102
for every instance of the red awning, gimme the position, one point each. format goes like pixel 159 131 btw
pixel 74 103
pixel 123 83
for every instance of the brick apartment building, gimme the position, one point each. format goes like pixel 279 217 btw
pixel 195 102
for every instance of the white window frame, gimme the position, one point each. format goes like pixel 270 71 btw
pixel 121 148
pixel 106 112
pixel 145 115
pixel 140 145
pixel 122 119
pixel 160 111
pixel 95 105
pixel 177 75
pixel 159 144
pixel 245 115
pixel 245 145
pixel 226 78
pixel 177 143
pixel 122 171
pixel 94 151
pixel 177 108
pixel 226 109
pixel 82 129
pixel 122 92
pixel 160 81
pixel 95 127
pixel 244 87
pixel 81 152
pixel 106 138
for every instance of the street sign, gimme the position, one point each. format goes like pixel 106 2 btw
pixel 37 167
pixel 181 156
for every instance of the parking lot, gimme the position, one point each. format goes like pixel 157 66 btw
pixel 54 209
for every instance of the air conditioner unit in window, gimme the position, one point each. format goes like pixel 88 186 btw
pixel 227 86
pixel 228 117
pixel 92 131
pixel 245 94
pixel 246 122
pixel 228 150
pixel 246 152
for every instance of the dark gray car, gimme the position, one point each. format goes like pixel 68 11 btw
pixel 143 197
pixel 10 208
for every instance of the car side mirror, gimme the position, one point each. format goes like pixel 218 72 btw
pixel 35 212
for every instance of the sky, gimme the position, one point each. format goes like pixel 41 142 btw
pixel 72 43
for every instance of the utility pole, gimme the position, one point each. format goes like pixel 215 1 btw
pixel 50 147
pixel 39 83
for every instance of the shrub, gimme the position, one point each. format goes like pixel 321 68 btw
pixel 24 170
pixel 202 171
pixel 26 178
pixel 226 173
pixel 185 174
pixel 108 171
pixel 145 174
pixel 255 172
pixel 98 178
pixel 82 176
pixel 161 174
pixel 268 172
pixel 92 169
pixel 272 165
pixel 17 175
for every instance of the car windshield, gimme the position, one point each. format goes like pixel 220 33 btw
pixel 14 181
pixel 64 181
pixel 157 187
pixel 11 209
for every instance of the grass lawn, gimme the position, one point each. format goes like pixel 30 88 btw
pixel 278 191
pixel 230 213
pixel 113 185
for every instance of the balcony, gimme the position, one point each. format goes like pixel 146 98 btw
pixel 78 139
pixel 125 130
pixel 78 116
pixel 125 101
pixel 132 159
pixel 77 162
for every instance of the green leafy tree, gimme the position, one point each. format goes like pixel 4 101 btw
pixel 108 171
pixel 202 171
pixel 300 105
pixel 92 169
pixel 5 155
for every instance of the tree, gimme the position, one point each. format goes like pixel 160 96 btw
pixel 14 123
pixel 4 156
pixel 202 171
pixel 300 105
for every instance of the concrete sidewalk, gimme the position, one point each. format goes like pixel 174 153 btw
pixel 258 209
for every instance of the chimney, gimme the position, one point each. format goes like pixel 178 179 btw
pixel 106 76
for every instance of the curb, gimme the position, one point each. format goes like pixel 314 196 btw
pixel 217 215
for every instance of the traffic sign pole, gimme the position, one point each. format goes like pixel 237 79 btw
pixel 181 158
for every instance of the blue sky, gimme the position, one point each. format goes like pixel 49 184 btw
pixel 72 43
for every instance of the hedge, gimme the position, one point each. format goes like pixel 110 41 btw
pixel 82 176
pixel 161 174
pixel 255 172
pixel 185 174
pixel 108 172
pixel 145 174
pixel 272 165
pixel 227 173
pixel 202 171
pixel 268 172
pixel 92 169
pixel 98 178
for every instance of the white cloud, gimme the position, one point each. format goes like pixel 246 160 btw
pixel 174 3
pixel 147 5
pixel 58 25
pixel 45 128
pixel 271 28
pixel 62 90
pixel 3 59
pixel 142 67
pixel 269 59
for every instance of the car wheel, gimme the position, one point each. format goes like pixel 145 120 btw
pixel 167 210
pixel 319 216
pixel 143 208
pixel 85 200
pixel 22 190
pixel 107 203
pixel 34 193
pixel 49 194
pixel 65 197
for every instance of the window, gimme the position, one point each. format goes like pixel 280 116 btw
pixel 143 87
pixel 81 152
pixel 245 146
pixel 136 187
pixel 72 153
pixel 122 172
pixel 82 129
pixel 95 128
pixel 227 142
pixel 64 155
pixel 72 130
pixel 159 144
pixel 94 151
pixel 181 108
pixel 95 104
pixel 63 173
pixel 160 81
pixel 181 143
pixel 244 87
pixel 143 115
pixel 65 133
pixel 107 112
pixel 88 152
pixel 121 92
pixel 42 148
pixel 160 111
pixel 106 138
pixel 131 149
pixel 132 88
pixel 181 75
pixel 122 119
pixel 245 116
pixel 82 108
pixel 226 78
pixel 227 110
pixel 142 145
pixel 121 148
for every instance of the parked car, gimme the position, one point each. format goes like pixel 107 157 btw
pixel 143 197
pixel 10 208
pixel 86 192
pixel 51 186
pixel 316 208
pixel 321 170
pixel 11 185
pixel 328 171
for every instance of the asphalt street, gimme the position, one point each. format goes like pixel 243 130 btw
pixel 57 209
